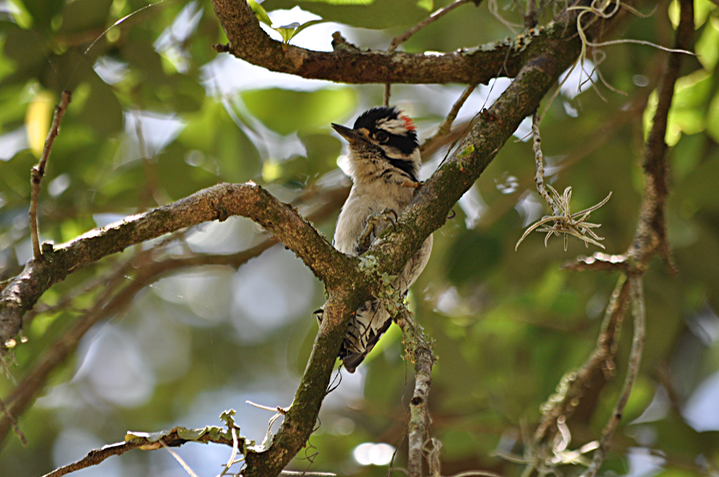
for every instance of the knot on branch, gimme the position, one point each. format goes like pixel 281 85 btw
pixel 340 43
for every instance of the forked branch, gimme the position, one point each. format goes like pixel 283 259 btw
pixel 649 240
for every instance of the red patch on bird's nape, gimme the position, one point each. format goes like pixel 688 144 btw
pixel 408 123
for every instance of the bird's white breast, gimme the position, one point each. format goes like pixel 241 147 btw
pixel 364 200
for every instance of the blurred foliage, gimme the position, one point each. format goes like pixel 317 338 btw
pixel 157 114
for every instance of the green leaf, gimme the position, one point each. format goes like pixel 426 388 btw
pixel 467 151
pixel 713 119
pixel 228 417
pixel 426 4
pixel 41 11
pixel 260 13
pixel 706 46
pixel 290 31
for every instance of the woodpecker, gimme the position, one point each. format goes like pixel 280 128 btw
pixel 384 163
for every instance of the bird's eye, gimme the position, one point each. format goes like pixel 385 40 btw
pixel 382 136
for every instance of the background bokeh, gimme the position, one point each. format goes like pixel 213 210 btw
pixel 157 115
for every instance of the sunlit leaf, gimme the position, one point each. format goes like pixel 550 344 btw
pixel 37 120
pixel 260 13
pixel 290 31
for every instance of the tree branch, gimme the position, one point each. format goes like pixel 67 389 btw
pixel 114 301
pixel 430 19
pixel 650 239
pixel 537 65
pixel 215 203
pixel 171 438
pixel 651 232
pixel 38 172
pixel 426 213
pixel 419 351
pixel 249 42
pixel 637 300
pixel 598 365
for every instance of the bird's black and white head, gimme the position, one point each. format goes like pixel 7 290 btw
pixel 383 139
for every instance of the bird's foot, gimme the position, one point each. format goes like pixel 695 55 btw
pixel 370 231
pixel 411 184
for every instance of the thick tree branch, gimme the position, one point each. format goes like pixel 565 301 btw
pixel 215 203
pixel 651 234
pixel 426 213
pixel 537 66
pixel 354 66
pixel 117 296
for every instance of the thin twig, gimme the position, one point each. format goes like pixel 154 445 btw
pixel 446 126
pixel 430 19
pixel 300 474
pixel 635 357
pixel 95 457
pixel 38 171
pixel 569 393
pixel 494 10
pixel 411 31
pixel 106 306
pixel 418 350
pixel 267 408
pixel 317 474
pixel 640 42
pixel 428 148
pixel 13 423
pixel 530 15
pixel 179 459
pixel 233 454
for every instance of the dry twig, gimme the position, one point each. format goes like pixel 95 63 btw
pixel 649 240
pixel 396 41
pixel 446 127
pixel 430 19
pixel 419 351
pixel 13 423
pixel 637 301
pixel 38 171
pixel 118 294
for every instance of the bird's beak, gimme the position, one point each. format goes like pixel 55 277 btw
pixel 350 134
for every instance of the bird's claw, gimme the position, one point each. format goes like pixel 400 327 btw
pixel 411 184
pixel 370 230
